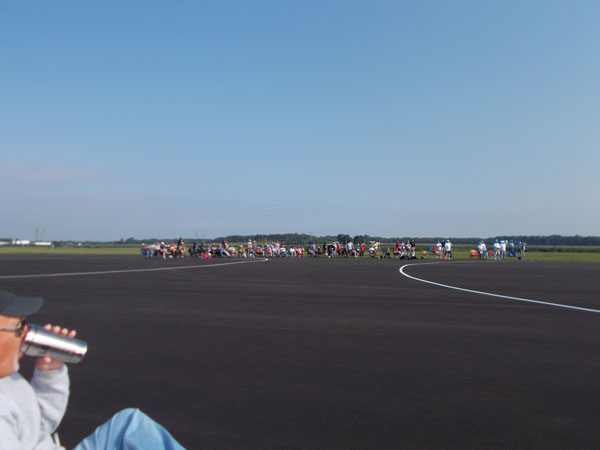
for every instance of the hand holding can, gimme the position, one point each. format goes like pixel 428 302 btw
pixel 53 345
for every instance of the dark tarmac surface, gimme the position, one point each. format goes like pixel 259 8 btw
pixel 329 354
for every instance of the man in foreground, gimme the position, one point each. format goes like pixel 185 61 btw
pixel 30 412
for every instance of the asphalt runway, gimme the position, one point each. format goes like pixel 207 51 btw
pixel 328 353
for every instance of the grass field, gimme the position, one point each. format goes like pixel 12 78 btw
pixel 69 251
pixel 542 256
pixel 460 252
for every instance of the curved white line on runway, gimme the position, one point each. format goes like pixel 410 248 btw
pixel 518 299
pixel 105 272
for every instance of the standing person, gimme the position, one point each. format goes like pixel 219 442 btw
pixel 180 247
pixel 482 250
pixel 402 254
pixel 503 250
pixel 349 249
pixel 448 249
pixel 496 250
pixel 438 250
pixel 522 247
pixel 31 411
pixel 194 250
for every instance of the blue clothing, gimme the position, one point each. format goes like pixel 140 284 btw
pixel 129 429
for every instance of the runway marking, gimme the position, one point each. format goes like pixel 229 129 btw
pixel 518 299
pixel 105 272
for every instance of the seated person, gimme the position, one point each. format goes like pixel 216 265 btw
pixel 146 251
pixel 31 411
pixel 163 250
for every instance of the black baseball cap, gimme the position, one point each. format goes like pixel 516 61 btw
pixel 13 306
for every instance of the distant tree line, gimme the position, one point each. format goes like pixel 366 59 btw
pixel 295 238
pixel 304 239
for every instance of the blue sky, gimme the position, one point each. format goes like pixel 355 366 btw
pixel 144 119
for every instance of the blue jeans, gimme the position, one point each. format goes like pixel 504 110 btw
pixel 129 429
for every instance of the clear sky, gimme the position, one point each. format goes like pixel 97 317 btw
pixel 390 118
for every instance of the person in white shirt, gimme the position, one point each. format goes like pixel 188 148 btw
pixel 349 247
pixel 496 250
pixel 503 250
pixel 482 249
pixel 448 249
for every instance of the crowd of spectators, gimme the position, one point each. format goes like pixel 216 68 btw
pixel 160 249
pixel 443 250
pixel 500 249
pixel 373 249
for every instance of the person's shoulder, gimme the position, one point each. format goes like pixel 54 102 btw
pixel 12 380
pixel 12 388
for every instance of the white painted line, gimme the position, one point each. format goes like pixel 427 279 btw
pixel 518 299
pixel 105 272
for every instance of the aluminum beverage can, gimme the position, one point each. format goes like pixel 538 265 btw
pixel 41 342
